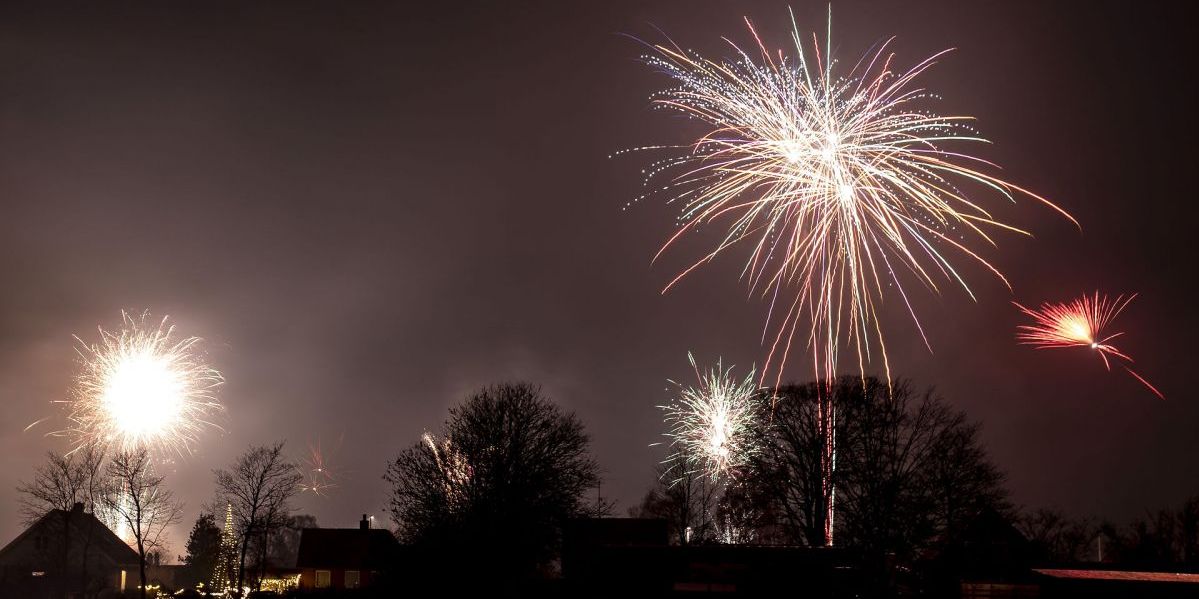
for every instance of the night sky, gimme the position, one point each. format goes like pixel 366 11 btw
pixel 370 210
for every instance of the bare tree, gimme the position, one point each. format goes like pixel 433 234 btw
pixel 687 500
pixel 61 483
pixel 259 486
pixel 958 476
pixel 789 471
pixel 510 467
pixel 141 501
pixel 910 469
pixel 284 544
pixel 1058 538
pixel 274 522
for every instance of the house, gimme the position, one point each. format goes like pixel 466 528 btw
pixel 344 558
pixel 66 551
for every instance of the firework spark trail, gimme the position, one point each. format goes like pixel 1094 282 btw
pixel 711 424
pixel 456 472
pixel 837 185
pixel 141 387
pixel 1082 322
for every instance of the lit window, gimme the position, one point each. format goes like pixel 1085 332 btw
pixel 323 579
pixel 352 579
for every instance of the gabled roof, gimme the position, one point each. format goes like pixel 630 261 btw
pixel 83 525
pixel 346 548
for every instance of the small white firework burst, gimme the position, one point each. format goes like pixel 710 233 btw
pixel 712 424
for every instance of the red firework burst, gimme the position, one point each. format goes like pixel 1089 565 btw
pixel 1080 323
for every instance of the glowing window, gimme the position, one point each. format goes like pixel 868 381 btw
pixel 323 579
pixel 352 579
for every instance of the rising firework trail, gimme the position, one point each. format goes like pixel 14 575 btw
pixel 141 386
pixel 711 425
pixel 837 186
pixel 1080 323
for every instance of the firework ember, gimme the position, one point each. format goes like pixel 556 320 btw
pixel 1080 323
pixel 142 387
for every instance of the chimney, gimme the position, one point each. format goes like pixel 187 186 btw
pixel 365 523
pixel 77 508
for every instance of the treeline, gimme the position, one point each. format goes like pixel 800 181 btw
pixel 490 491
pixel 910 473
pixel 486 496
pixel 1167 538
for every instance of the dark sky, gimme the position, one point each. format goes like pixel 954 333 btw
pixel 369 210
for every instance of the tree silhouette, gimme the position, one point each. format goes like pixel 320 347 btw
pixel 259 487
pixel 1058 538
pixel 508 469
pixel 284 543
pixel 687 500
pixel 203 547
pixel 788 473
pixel 59 484
pixel 910 469
pixel 141 502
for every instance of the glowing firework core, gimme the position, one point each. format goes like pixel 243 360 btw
pixel 1075 327
pixel 143 395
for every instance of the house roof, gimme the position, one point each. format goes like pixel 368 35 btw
pixel 1120 575
pixel 81 524
pixel 346 548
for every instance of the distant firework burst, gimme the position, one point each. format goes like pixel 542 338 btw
pixel 319 477
pixel 711 425
pixel 835 184
pixel 1080 323
pixel 142 387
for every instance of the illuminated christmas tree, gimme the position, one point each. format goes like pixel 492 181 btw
pixel 222 578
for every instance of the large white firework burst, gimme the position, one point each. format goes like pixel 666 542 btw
pixel 712 425
pixel 142 387
pixel 836 184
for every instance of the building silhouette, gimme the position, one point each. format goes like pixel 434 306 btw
pixel 345 558
pixel 66 552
